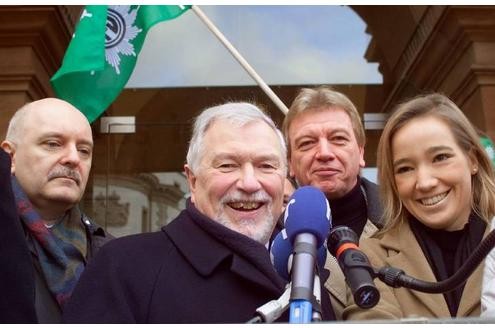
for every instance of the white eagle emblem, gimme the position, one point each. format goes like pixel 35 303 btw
pixel 119 32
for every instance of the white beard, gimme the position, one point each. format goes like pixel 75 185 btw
pixel 260 229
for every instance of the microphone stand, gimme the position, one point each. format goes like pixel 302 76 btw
pixel 317 299
pixel 303 267
pixel 272 310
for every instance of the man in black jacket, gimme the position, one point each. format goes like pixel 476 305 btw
pixel 211 264
pixel 50 146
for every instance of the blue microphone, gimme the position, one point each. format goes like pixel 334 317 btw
pixel 281 255
pixel 307 222
pixel 308 211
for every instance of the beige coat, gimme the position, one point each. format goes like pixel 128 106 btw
pixel 400 249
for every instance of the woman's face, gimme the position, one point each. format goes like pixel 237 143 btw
pixel 432 173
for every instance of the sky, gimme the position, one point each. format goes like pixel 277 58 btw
pixel 286 45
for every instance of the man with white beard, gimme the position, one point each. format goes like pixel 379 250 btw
pixel 211 264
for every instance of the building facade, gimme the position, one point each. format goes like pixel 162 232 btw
pixel 136 184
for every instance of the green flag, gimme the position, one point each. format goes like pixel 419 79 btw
pixel 489 148
pixel 103 52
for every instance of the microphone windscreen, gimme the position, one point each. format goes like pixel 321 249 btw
pixel 339 236
pixel 308 211
pixel 281 255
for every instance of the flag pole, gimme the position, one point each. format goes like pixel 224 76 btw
pixel 240 59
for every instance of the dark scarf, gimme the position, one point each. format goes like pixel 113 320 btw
pixel 446 251
pixel 60 250
pixel 350 210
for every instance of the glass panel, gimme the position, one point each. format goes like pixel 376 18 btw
pixel 122 196
pixel 134 185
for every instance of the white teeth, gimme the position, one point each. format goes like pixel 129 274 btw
pixel 433 200
pixel 245 205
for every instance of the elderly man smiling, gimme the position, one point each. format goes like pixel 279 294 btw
pixel 211 264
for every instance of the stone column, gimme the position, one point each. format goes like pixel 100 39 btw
pixel 33 40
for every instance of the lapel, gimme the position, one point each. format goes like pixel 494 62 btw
pixel 373 204
pixel 405 253
pixel 246 270
pixel 335 284
pixel 369 230
pixel 206 253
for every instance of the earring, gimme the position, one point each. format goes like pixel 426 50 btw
pixel 475 170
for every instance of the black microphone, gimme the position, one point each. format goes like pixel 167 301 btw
pixel 358 272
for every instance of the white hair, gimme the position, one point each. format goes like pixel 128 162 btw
pixel 236 113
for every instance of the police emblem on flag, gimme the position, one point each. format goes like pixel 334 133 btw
pixel 119 33
pixel 103 53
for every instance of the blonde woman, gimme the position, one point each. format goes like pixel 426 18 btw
pixel 437 188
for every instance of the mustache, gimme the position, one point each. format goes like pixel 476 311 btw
pixel 239 196
pixel 64 172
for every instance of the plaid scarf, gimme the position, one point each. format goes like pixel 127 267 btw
pixel 61 250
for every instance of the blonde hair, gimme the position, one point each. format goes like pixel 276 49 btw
pixel 466 137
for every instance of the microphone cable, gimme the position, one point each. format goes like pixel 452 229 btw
pixel 398 278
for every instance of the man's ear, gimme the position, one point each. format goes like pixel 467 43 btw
pixel 9 148
pixel 362 163
pixel 191 179
pixel 291 172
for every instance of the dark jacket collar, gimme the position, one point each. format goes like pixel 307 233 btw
pixel 91 227
pixel 374 206
pixel 206 245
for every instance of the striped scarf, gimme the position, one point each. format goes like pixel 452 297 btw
pixel 61 250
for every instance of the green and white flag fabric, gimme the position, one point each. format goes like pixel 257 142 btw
pixel 489 148
pixel 103 52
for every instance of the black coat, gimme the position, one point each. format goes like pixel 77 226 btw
pixel 193 271
pixel 16 269
pixel 24 295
